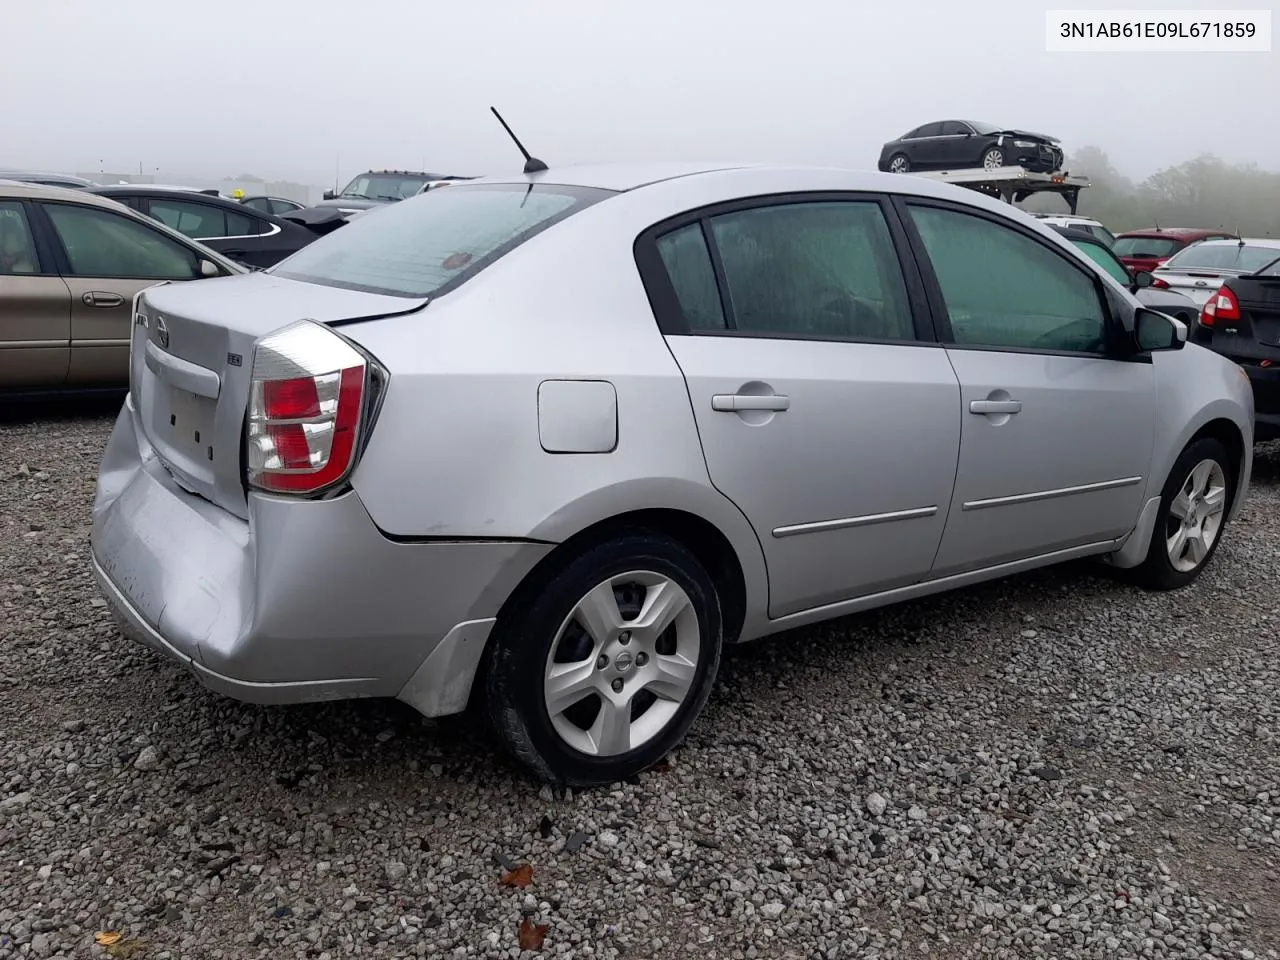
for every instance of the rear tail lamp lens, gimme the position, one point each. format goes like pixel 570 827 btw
pixel 306 407
pixel 1223 307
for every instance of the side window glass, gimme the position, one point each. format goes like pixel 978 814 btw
pixel 17 248
pixel 280 206
pixel 1103 257
pixel 104 244
pixel 684 253
pixel 953 128
pixel 242 225
pixel 1003 289
pixel 261 204
pixel 195 220
pixel 824 270
pixel 930 130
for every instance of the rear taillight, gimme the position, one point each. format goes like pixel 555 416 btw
pixel 1222 307
pixel 307 404
pixel 1159 284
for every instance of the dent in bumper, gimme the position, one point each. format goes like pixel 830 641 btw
pixel 305 600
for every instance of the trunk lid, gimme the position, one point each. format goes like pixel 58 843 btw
pixel 1199 285
pixel 191 366
pixel 1259 299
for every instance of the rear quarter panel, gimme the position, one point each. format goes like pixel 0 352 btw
pixel 456 451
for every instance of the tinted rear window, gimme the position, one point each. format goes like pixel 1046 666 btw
pixel 1223 256
pixel 1145 246
pixel 433 242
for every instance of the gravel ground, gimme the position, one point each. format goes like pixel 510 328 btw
pixel 1054 766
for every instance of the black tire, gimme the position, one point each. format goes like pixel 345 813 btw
pixel 991 152
pixel 523 640
pixel 906 163
pixel 1157 571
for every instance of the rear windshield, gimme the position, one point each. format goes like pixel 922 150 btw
pixel 1223 256
pixel 1145 246
pixel 433 242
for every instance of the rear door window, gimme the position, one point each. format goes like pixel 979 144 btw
pixel 433 243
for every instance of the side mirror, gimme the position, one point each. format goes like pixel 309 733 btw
pixel 1156 331
pixel 1143 278
pixel 329 195
pixel 209 269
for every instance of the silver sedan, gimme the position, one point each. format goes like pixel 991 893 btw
pixel 549 442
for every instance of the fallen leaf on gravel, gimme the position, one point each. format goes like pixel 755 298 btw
pixel 520 877
pixel 532 934
pixel 106 938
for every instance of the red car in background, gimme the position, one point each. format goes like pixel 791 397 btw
pixel 1147 249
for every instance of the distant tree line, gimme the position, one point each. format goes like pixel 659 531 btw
pixel 1204 192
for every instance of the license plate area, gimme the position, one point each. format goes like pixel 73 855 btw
pixel 182 429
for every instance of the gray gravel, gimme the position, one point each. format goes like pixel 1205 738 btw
pixel 1055 766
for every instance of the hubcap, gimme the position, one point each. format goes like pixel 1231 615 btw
pixel 1195 516
pixel 622 663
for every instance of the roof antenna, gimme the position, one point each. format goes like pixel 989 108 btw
pixel 531 163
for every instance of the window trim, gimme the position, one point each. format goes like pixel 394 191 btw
pixel 666 305
pixel 62 259
pixel 46 263
pixel 1113 327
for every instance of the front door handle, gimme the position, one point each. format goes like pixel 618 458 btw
pixel 995 406
pixel 733 402
pixel 96 298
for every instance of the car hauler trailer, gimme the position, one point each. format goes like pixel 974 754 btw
pixel 1013 184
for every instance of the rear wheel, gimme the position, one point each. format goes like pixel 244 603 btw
pixel 609 663
pixel 1193 512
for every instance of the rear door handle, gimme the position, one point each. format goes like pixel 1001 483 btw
pixel 96 298
pixel 732 402
pixel 995 406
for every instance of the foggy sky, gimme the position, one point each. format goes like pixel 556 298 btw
pixel 291 89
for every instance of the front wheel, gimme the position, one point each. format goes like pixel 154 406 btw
pixel 899 164
pixel 993 158
pixel 600 674
pixel 1193 512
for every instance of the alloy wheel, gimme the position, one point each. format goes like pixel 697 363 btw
pixel 1195 516
pixel 622 663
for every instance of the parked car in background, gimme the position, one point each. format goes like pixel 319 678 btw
pixel 254 239
pixel 1199 270
pixel 47 179
pixel 688 406
pixel 1241 321
pixel 375 187
pixel 1169 302
pixel 70 265
pixel 1084 223
pixel 960 144
pixel 273 206
pixel 1147 249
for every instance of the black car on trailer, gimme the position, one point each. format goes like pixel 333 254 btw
pixel 966 144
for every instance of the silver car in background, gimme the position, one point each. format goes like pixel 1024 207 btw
pixel 1199 270
pixel 551 441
